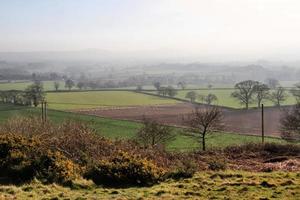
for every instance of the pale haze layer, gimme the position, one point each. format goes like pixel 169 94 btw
pixel 232 28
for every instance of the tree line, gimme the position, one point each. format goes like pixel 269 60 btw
pixel 32 95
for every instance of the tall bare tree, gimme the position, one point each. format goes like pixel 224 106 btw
pixel 244 92
pixel 261 93
pixel 278 96
pixel 205 121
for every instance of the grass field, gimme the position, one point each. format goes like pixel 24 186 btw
pixel 84 100
pixel 122 129
pixel 225 99
pixel 48 85
pixel 205 185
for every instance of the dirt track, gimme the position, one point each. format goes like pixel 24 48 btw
pixel 239 121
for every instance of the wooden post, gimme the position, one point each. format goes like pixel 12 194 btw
pixel 42 105
pixel 262 124
pixel 45 111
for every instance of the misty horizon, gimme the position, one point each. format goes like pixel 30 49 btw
pixel 194 30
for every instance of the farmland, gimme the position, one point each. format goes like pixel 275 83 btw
pixel 48 85
pixel 122 129
pixel 85 100
pixel 237 184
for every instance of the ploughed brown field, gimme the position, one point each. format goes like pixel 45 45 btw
pixel 238 121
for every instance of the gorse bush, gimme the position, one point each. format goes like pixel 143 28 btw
pixel 124 169
pixel 53 167
pixel 17 156
pixel 23 159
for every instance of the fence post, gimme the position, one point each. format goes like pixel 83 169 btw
pixel 42 106
pixel 262 124
pixel 45 111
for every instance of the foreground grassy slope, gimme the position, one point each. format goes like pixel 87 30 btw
pixel 204 185
pixel 93 99
pixel 122 129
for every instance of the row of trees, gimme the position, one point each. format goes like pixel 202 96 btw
pixel 249 91
pixel 32 95
pixel 207 99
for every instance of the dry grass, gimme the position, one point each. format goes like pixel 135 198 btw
pixel 204 185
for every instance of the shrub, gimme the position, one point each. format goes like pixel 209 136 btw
pixel 125 170
pixel 217 165
pixel 53 167
pixel 22 159
pixel 16 157
pixel 254 150
pixel 183 169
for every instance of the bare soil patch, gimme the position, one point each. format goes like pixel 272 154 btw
pixel 238 121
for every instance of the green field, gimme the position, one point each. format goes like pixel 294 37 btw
pixel 204 185
pixel 123 129
pixel 48 85
pixel 94 99
pixel 225 99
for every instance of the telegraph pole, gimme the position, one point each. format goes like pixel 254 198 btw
pixel 262 124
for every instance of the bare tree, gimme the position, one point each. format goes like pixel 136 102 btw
pixel 154 134
pixel 210 98
pixel 278 96
pixel 272 83
pixel 290 124
pixel 181 85
pixel 56 85
pixel 157 85
pixel 171 91
pixel 244 91
pixel 69 83
pixel 261 93
pixel 192 95
pixel 80 85
pixel 205 121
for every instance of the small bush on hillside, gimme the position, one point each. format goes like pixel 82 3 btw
pixel 16 157
pixel 183 169
pixel 53 167
pixel 125 170
pixel 217 165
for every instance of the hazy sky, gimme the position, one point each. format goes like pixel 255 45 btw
pixel 196 26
